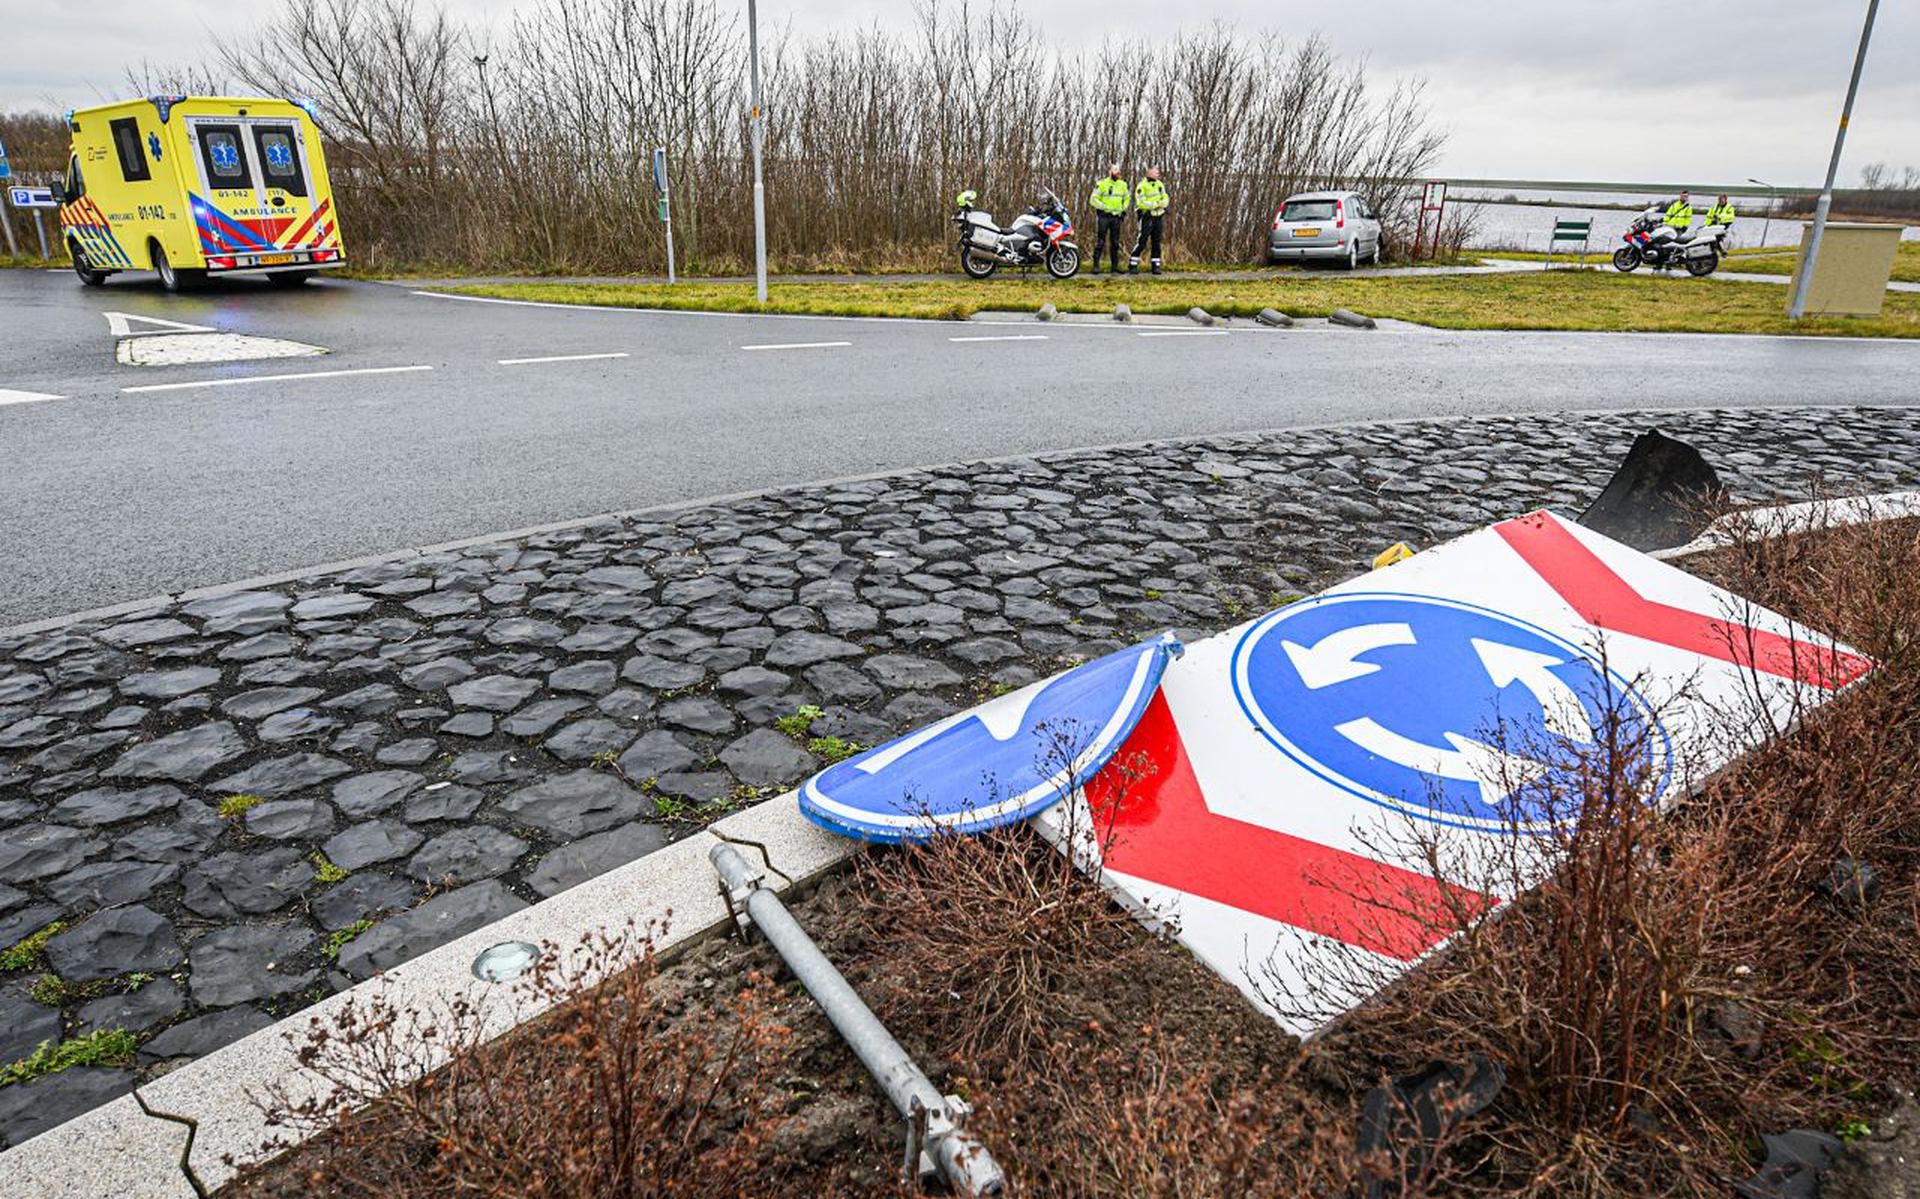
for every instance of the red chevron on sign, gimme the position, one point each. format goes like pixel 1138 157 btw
pixel 1605 600
pixel 1164 832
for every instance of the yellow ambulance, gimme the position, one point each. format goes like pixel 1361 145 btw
pixel 193 186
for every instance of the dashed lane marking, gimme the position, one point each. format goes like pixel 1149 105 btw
pixel 365 370
pixel 25 397
pixel 1004 337
pixel 556 358
pixel 800 345
pixel 1182 333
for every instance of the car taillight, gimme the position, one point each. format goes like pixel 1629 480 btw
pixel 1339 214
pixel 1276 219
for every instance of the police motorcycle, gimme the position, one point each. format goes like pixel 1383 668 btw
pixel 1040 236
pixel 1653 242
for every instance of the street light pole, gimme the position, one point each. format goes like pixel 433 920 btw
pixel 1798 308
pixel 1766 229
pixel 756 130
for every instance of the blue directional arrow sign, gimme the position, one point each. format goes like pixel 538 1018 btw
pixel 996 764
pixel 1441 710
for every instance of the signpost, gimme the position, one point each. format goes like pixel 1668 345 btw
pixel 666 202
pixel 1433 198
pixel 34 198
pixel 1797 306
pixel 6 172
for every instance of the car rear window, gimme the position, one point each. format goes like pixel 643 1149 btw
pixel 1307 210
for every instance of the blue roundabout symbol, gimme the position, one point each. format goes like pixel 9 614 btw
pixel 1437 709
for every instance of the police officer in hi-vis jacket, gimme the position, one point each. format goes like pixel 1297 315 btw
pixel 1111 199
pixel 1150 201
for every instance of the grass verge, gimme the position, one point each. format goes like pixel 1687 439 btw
pixel 1574 300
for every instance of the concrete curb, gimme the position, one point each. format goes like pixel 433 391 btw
pixel 1201 316
pixel 118 1150
pixel 1274 318
pixel 1352 320
pixel 1047 312
pixel 1122 313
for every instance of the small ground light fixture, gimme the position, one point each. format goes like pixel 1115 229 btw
pixel 505 962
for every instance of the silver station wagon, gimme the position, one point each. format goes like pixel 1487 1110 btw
pixel 1328 226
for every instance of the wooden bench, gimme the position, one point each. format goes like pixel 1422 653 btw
pixel 1569 231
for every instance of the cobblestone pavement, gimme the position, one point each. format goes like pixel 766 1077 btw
pixel 229 807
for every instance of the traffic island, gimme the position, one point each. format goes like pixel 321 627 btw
pixel 218 809
pixel 1095 1054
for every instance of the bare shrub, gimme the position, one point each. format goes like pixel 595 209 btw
pixel 540 160
pixel 609 1094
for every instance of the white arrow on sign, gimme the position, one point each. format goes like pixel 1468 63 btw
pixel 1565 715
pixel 118 322
pixel 1003 717
pixel 1332 659
pixel 1498 774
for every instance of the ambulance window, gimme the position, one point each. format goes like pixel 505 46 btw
pixel 76 184
pixel 279 158
pixel 126 142
pixel 226 161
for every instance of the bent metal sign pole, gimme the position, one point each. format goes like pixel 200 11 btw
pixel 1273 793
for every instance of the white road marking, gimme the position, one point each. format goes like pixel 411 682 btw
pixel 365 370
pixel 117 325
pixel 1182 333
pixel 556 358
pixel 180 349
pixel 1004 337
pixel 25 397
pixel 800 345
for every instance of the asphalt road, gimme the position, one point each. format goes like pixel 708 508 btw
pixel 109 494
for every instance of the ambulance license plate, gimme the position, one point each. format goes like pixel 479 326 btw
pixel 1306 233
pixel 275 259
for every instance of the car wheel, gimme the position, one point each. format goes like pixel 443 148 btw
pixel 1353 254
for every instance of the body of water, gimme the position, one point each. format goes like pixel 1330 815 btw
pixel 1526 226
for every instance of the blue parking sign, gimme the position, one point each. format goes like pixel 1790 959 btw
pixel 1438 709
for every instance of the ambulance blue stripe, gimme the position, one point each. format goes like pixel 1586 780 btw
pixel 118 251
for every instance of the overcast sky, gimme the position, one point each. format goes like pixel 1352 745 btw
pixel 1552 89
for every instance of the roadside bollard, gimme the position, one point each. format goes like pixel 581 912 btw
pixel 1047 312
pixel 1352 320
pixel 1122 313
pixel 1274 319
pixel 1201 316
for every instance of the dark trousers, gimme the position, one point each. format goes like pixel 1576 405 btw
pixel 1149 230
pixel 1106 239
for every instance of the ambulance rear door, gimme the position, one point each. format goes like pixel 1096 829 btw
pixel 255 206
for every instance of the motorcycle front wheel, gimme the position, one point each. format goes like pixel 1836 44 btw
pixel 1063 261
pixel 1625 259
pixel 976 264
pixel 1701 267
